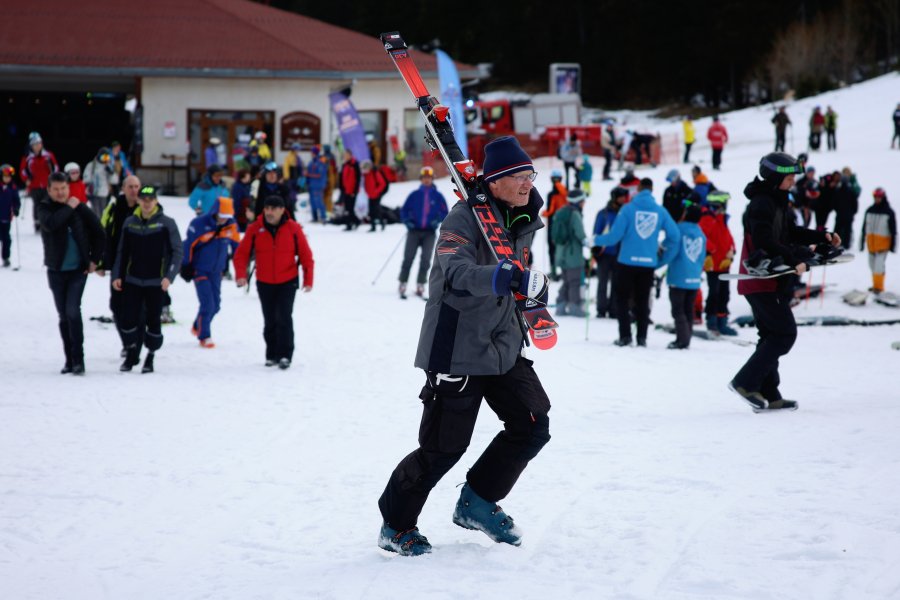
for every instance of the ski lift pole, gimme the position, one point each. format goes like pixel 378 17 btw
pixel 390 256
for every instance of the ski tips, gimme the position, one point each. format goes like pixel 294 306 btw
pixel 392 40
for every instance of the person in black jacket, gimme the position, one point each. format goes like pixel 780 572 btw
pixel 271 185
pixel 770 232
pixel 147 261
pixel 675 195
pixel 114 215
pixel 73 246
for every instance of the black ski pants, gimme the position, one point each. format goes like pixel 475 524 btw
pixel 68 288
pixel 451 404
pixel 277 300
pixel 5 240
pixel 687 152
pixel 682 301
pixel 718 296
pixel 831 138
pixel 717 158
pixel 607 266
pixel 777 334
pixel 141 311
pixel 779 140
pixel 633 283
pixel 415 239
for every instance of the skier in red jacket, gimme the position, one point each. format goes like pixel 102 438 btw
pixel 718 137
pixel 280 247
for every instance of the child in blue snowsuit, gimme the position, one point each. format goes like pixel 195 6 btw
pixel 684 273
pixel 585 174
pixel 206 249
pixel 9 209
pixel 317 181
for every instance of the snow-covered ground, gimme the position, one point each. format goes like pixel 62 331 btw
pixel 216 477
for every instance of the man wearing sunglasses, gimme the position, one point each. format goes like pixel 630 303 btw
pixel 470 349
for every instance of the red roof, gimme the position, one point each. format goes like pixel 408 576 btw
pixel 219 37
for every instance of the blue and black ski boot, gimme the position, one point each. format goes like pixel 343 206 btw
pixel 405 543
pixel 474 512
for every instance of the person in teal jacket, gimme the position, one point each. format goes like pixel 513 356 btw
pixel 637 227
pixel 683 275
pixel 208 191
pixel 567 231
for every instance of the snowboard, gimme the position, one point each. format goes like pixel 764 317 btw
pixel 837 260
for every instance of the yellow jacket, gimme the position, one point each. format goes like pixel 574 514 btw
pixel 689 135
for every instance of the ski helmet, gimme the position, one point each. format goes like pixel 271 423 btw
pixel 878 193
pixel 718 198
pixel 270 167
pixel 775 166
pixel 576 196
pixel 7 170
pixel 34 138
pixel 426 171
pixel 556 174
pixel 673 175
pixel 72 166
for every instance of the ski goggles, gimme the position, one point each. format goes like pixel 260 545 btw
pixel 794 169
pixel 270 167
pixel 8 170
pixel 426 172
pixel 719 198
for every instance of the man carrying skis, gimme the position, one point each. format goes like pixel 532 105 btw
pixel 422 214
pixel 470 348
pixel 769 228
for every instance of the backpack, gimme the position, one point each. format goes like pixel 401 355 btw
pixel 389 175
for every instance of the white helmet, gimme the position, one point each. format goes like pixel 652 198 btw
pixel 71 167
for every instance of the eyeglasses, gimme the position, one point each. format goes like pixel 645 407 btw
pixel 520 179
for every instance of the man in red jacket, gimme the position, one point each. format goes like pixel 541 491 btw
pixel 280 248
pixel 718 137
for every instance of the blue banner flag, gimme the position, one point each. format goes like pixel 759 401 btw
pixel 451 97
pixel 350 127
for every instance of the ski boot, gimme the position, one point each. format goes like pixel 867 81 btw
pixel 783 404
pixel 712 326
pixel 284 363
pixel 825 252
pixel 166 317
pixel 271 362
pixel 420 290
pixel 207 343
pixel 724 329
pixel 132 357
pixel 474 512
pixel 78 368
pixel 402 291
pixel 622 342
pixel 754 399
pixel 404 543
pixel 148 364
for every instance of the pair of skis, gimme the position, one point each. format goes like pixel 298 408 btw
pixel 439 134
pixel 837 260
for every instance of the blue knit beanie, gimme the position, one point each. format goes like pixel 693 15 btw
pixel 504 156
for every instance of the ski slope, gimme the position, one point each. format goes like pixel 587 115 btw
pixel 216 477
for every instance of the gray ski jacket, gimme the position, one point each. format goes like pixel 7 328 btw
pixel 467 328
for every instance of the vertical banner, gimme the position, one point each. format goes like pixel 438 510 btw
pixel 349 126
pixel 451 96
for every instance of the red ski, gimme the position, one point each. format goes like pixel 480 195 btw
pixel 439 133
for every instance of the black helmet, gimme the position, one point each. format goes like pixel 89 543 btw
pixel 618 192
pixel 774 167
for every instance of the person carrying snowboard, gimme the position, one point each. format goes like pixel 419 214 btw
pixel 770 229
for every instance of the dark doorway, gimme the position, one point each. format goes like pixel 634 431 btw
pixel 74 125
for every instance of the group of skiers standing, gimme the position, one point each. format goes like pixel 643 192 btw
pixel 819 122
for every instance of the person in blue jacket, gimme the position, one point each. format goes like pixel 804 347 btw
pixel 208 191
pixel 684 274
pixel 637 226
pixel 316 182
pixel 422 213
pixel 607 257
pixel 206 250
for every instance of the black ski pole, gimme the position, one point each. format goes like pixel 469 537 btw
pixel 390 256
